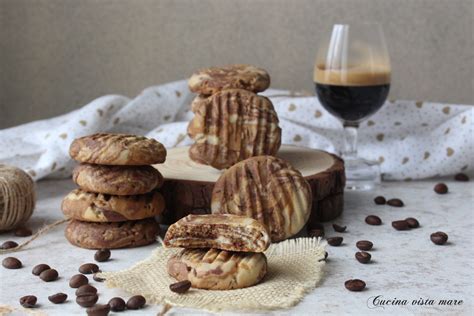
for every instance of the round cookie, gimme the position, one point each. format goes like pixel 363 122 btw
pixel 211 80
pixel 112 235
pixel 267 189
pixel 117 180
pixel 117 149
pixel 96 207
pixel 233 125
pixel 214 269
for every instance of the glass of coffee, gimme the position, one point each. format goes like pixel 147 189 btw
pixel 352 80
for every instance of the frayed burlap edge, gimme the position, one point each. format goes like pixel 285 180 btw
pixel 295 267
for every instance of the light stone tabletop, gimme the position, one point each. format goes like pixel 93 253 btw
pixel 406 265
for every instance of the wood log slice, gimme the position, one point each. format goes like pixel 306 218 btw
pixel 188 185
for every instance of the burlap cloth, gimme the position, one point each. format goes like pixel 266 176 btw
pixel 294 268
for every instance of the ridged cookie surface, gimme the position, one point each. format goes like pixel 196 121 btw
pixel 112 235
pixel 220 231
pixel 117 149
pixel 267 189
pixel 211 80
pixel 117 180
pixel 233 125
pixel 214 269
pixel 96 207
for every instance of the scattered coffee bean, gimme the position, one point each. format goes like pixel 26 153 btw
pixel 57 298
pixel 9 244
pixel 49 275
pixel 86 289
pixel 28 301
pixel 395 202
pixel 335 241
pixel 23 232
pixel 355 285
pixel 98 310
pixel 364 245
pixel 40 268
pixel 316 232
pixel 136 302
pixel 11 263
pixel 339 229
pixel 117 304
pixel 97 278
pixel 180 287
pixel 102 255
pixel 88 268
pixel 87 300
pixel 373 220
pixel 78 280
pixel 363 257
pixel 461 177
pixel 439 238
pixel 400 225
pixel 380 200
pixel 412 222
pixel 441 188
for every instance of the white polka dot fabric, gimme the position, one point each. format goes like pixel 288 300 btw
pixel 412 140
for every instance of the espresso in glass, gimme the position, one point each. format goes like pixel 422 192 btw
pixel 353 93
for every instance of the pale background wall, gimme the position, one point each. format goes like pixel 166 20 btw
pixel 56 55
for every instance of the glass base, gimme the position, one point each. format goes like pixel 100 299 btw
pixel 361 174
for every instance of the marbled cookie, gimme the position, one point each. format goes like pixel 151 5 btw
pixel 211 80
pixel 214 269
pixel 268 189
pixel 112 235
pixel 117 149
pixel 96 207
pixel 233 125
pixel 117 180
pixel 220 231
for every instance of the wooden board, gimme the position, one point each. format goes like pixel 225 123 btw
pixel 188 185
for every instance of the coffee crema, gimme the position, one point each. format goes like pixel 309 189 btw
pixel 362 75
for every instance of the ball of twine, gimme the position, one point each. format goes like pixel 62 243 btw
pixel 17 197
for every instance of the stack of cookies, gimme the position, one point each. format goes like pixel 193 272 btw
pixel 221 251
pixel 231 121
pixel 117 198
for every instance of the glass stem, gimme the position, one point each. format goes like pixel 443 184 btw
pixel 350 140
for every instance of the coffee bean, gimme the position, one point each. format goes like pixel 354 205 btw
pixel 102 255
pixel 86 289
pixel 339 229
pixel 461 177
pixel 136 302
pixel 117 304
pixel 400 225
pixel 373 220
pixel 412 222
pixel 23 232
pixel 57 298
pixel 335 241
pixel 98 310
pixel 87 300
pixel 355 285
pixel 362 256
pixel 40 268
pixel 316 232
pixel 49 275
pixel 380 200
pixel 441 188
pixel 96 278
pixel 364 245
pixel 28 301
pixel 88 268
pixel 11 263
pixel 439 238
pixel 78 280
pixel 9 244
pixel 180 287
pixel 395 202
